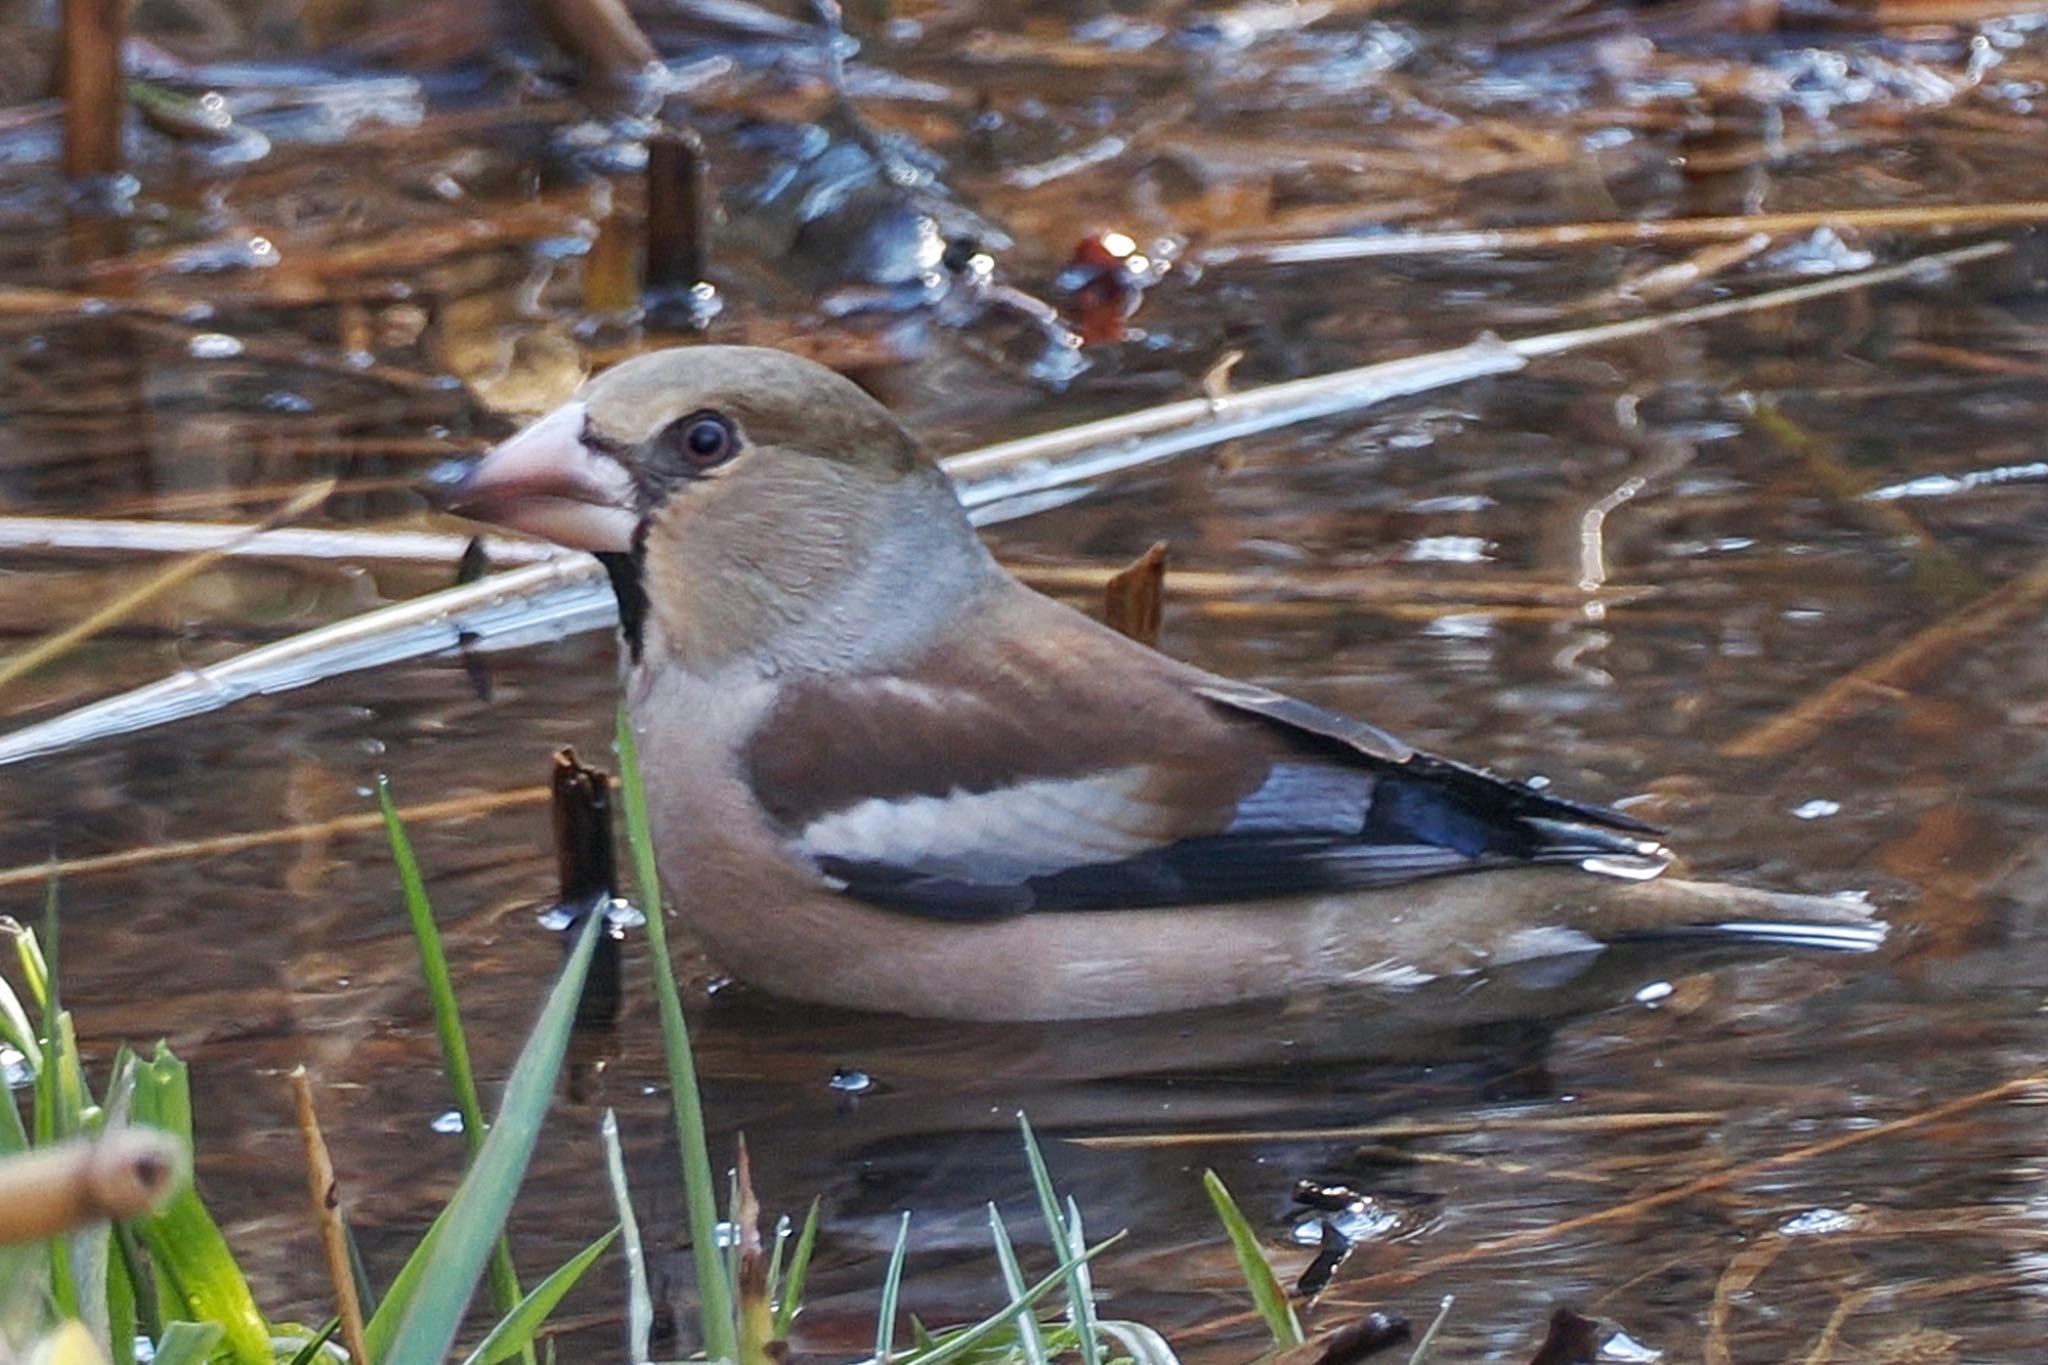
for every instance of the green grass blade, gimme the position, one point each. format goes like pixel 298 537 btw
pixel 35 973
pixel 790 1298
pixel 120 1301
pixel 366 1293
pixel 16 1030
pixel 730 1252
pixel 475 1217
pixel 1083 1306
pixel 961 1342
pixel 50 958
pixel 149 1320
pixel 197 1279
pixel 639 1302
pixel 317 1343
pixel 434 967
pixel 89 1252
pixel 1144 1345
pixel 892 1285
pixel 515 1330
pixel 779 1250
pixel 383 1323
pixel 13 1134
pixel 187 1343
pixel 714 1290
pixel 1029 1339
pixel 1267 1295
pixel 504 1276
pixel 1079 1309
pixel 60 1107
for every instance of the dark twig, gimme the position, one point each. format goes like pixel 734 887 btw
pixel 588 871
pixel 677 206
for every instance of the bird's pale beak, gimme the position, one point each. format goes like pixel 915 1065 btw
pixel 547 482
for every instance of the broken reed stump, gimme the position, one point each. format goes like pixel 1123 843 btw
pixel 1133 600
pixel 49 1191
pixel 89 80
pixel 678 229
pixel 604 38
pixel 588 872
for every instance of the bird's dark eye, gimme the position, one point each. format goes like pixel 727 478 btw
pixel 705 439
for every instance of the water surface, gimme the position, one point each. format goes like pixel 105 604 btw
pixel 1425 564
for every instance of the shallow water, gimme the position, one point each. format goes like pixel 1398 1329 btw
pixel 1421 564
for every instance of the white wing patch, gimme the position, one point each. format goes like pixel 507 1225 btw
pixel 1004 836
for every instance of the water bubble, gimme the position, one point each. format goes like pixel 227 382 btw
pixel 1817 809
pixel 1451 550
pixel 450 1122
pixel 1623 1349
pixel 214 346
pixel 1816 1222
pixel 1364 1219
pixel 1652 993
pixel 849 1082
pixel 15 1072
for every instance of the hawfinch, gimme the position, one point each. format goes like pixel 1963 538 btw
pixel 884 774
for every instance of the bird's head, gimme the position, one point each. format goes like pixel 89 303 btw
pixel 751 490
pixel 689 424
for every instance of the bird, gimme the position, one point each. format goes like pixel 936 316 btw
pixel 883 774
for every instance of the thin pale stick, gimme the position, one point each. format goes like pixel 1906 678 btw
pixel 36 874
pixel 1924 218
pixel 69 638
pixel 320 1185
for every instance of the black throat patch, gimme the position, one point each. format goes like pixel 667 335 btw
pixel 627 586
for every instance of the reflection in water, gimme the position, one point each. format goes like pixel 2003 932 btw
pixel 1425 564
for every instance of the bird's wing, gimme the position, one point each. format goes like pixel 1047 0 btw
pixel 1080 772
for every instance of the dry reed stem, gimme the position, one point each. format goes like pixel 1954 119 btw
pixel 1706 1184
pixel 1742 1272
pixel 320 1184
pixel 119 1174
pixel 1831 1331
pixel 1374 1152
pixel 1412 1128
pixel 750 1280
pixel 1892 674
pixel 1834 479
pixel 36 874
pixel 90 80
pixel 53 646
pixel 1660 283
pixel 1134 597
pixel 1924 218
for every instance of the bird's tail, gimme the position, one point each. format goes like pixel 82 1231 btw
pixel 1863 937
